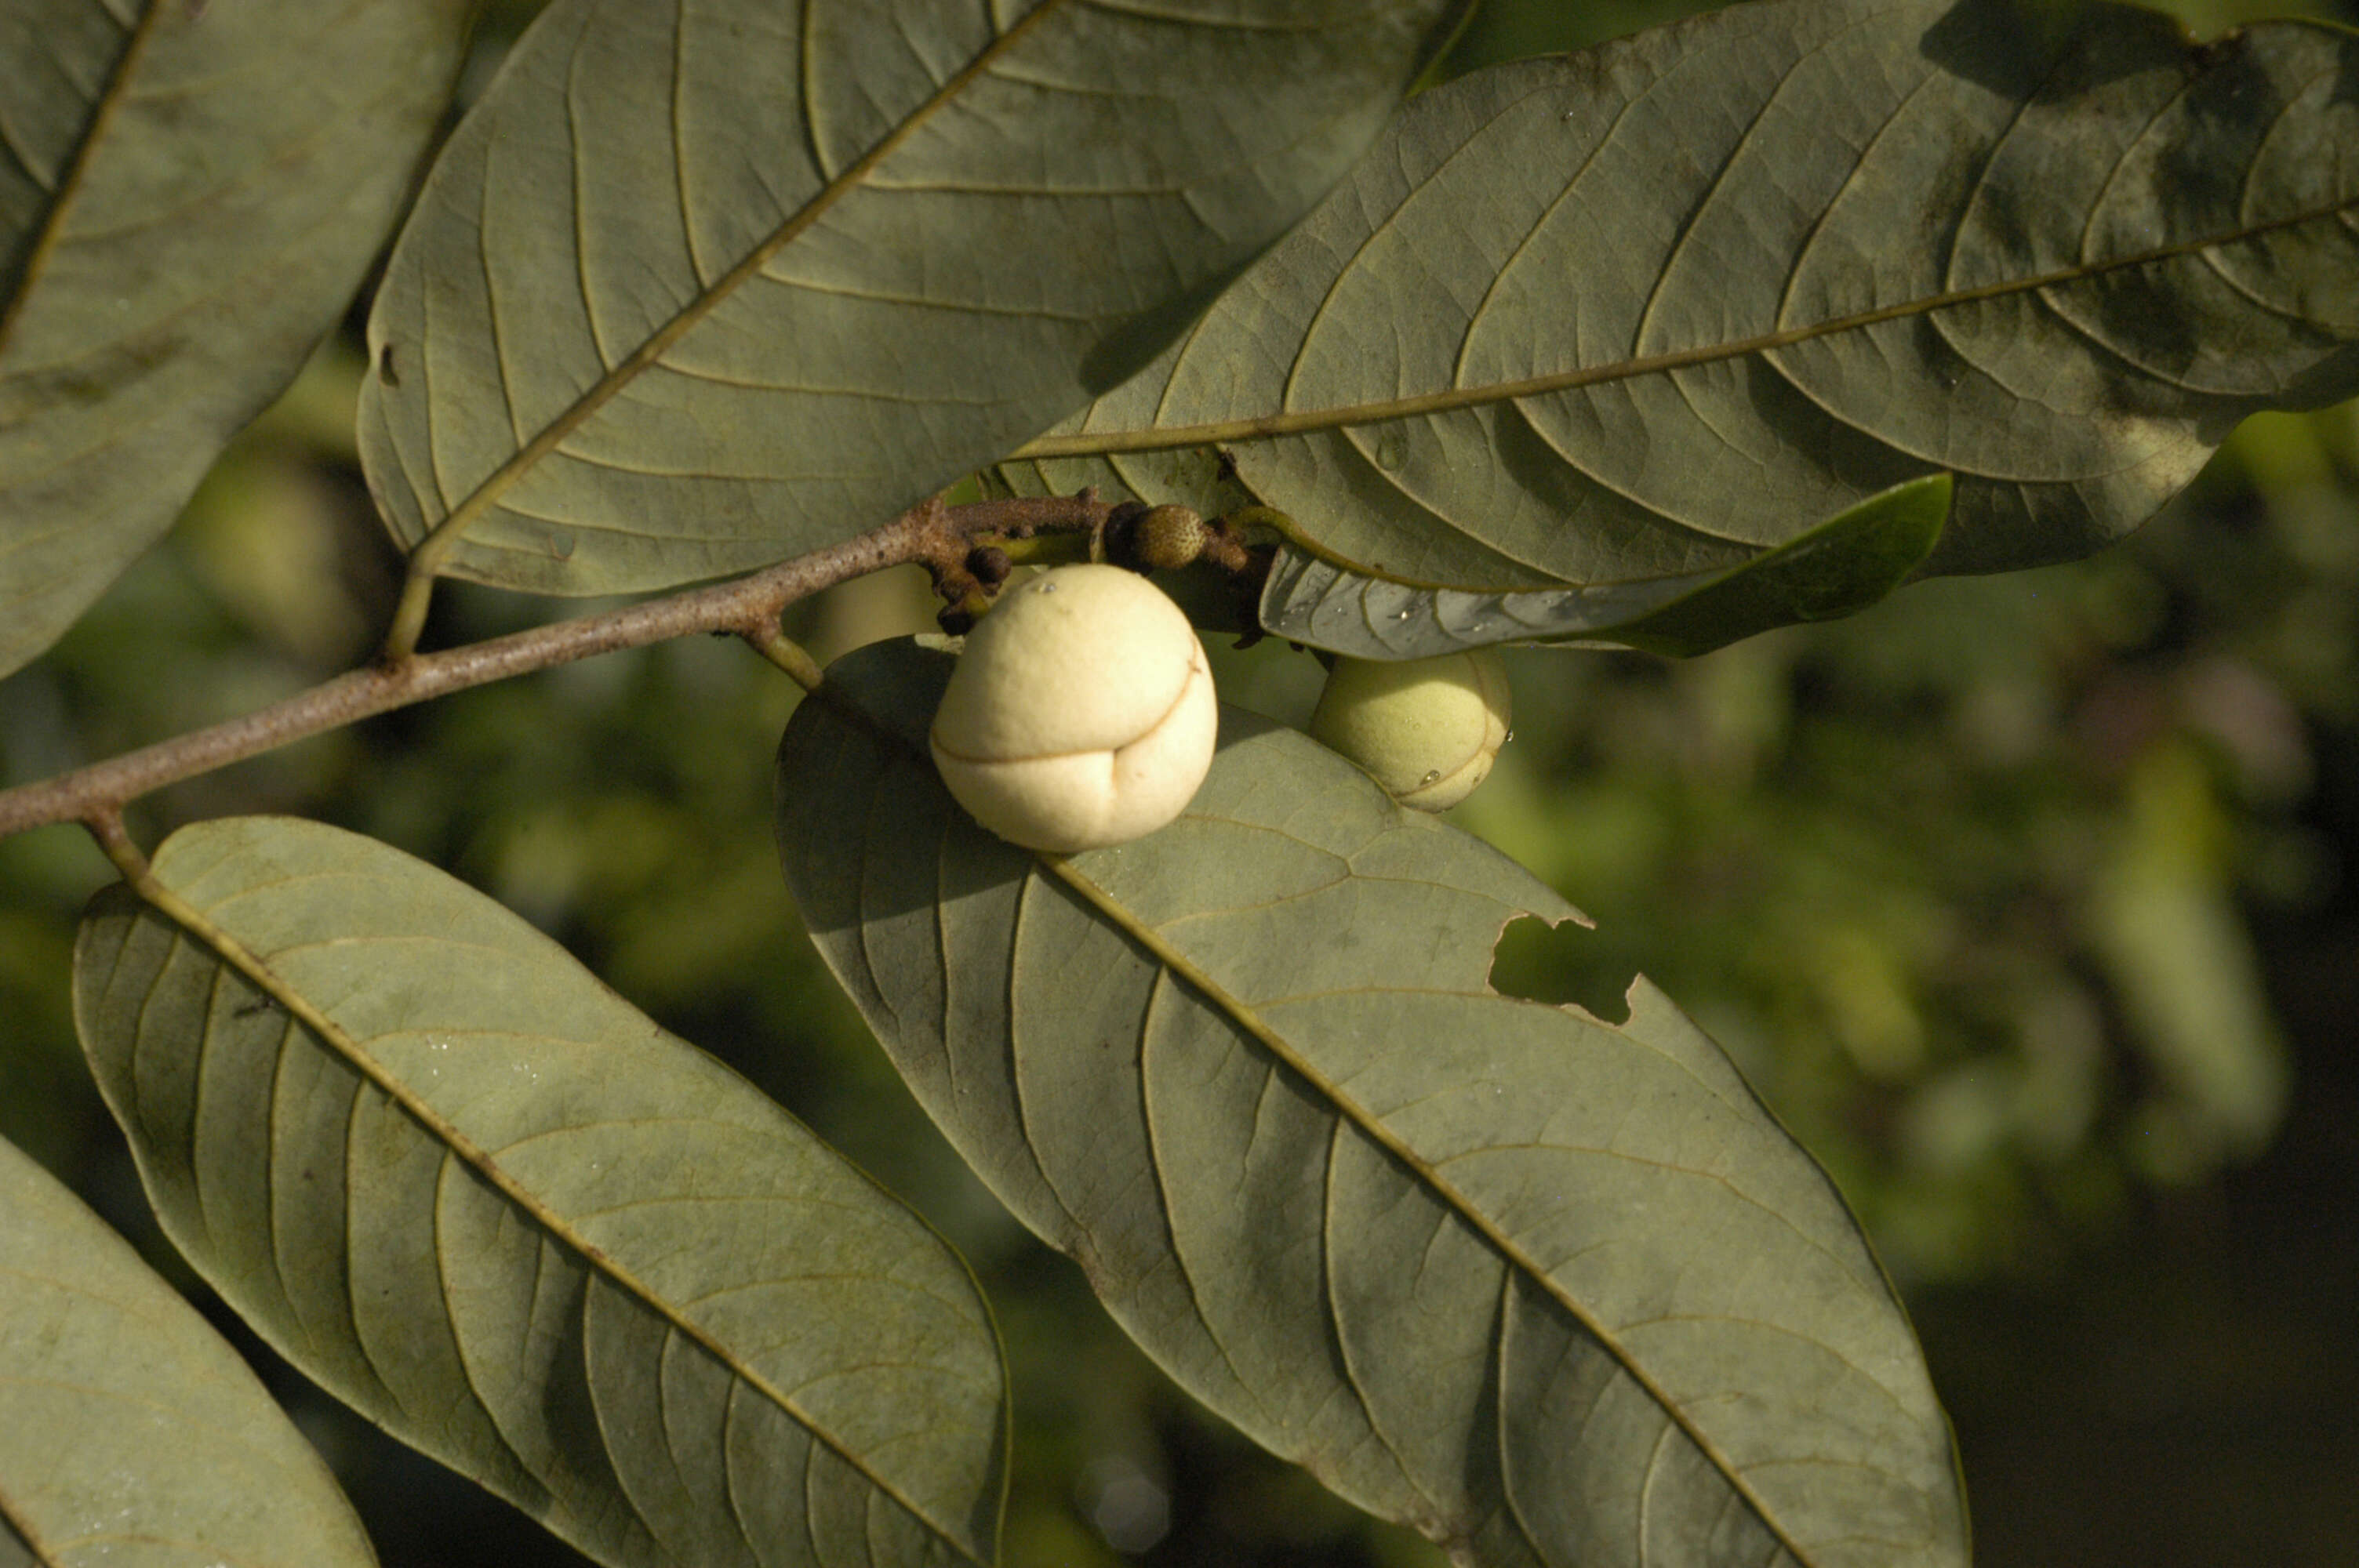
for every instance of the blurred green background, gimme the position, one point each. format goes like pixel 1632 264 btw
pixel 2027 902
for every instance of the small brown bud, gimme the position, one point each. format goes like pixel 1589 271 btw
pixel 958 618
pixel 989 564
pixel 1166 537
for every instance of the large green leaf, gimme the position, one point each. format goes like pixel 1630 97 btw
pixel 134 1435
pixel 696 289
pixel 1579 334
pixel 493 1207
pixel 189 196
pixel 1553 1290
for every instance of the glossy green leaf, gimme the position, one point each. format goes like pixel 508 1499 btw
pixel 1581 334
pixel 133 1435
pixel 1838 568
pixel 1552 1291
pixel 696 289
pixel 491 1206
pixel 2163 907
pixel 189 196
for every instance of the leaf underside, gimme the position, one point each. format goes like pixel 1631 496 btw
pixel 1550 1290
pixel 482 1199
pixel 697 289
pixel 135 1435
pixel 189 196
pixel 1685 297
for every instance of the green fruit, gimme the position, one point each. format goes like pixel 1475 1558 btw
pixel 1427 728
pixel 1166 537
pixel 1080 713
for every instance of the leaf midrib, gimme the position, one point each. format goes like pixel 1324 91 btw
pixel 102 114
pixel 199 926
pixel 1305 421
pixel 446 536
pixel 1245 1017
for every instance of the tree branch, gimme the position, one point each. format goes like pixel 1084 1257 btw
pixel 932 534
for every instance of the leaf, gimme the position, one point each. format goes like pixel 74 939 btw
pixel 1837 568
pixel 2163 909
pixel 695 291
pixel 1553 1291
pixel 1579 332
pixel 189 196
pixel 135 1435
pixel 485 1202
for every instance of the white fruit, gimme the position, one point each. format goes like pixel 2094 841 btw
pixel 1427 728
pixel 1080 713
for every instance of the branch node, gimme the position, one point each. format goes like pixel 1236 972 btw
pixel 989 564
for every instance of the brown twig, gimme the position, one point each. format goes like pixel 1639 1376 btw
pixel 930 533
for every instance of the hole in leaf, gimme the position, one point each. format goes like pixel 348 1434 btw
pixel 1557 963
